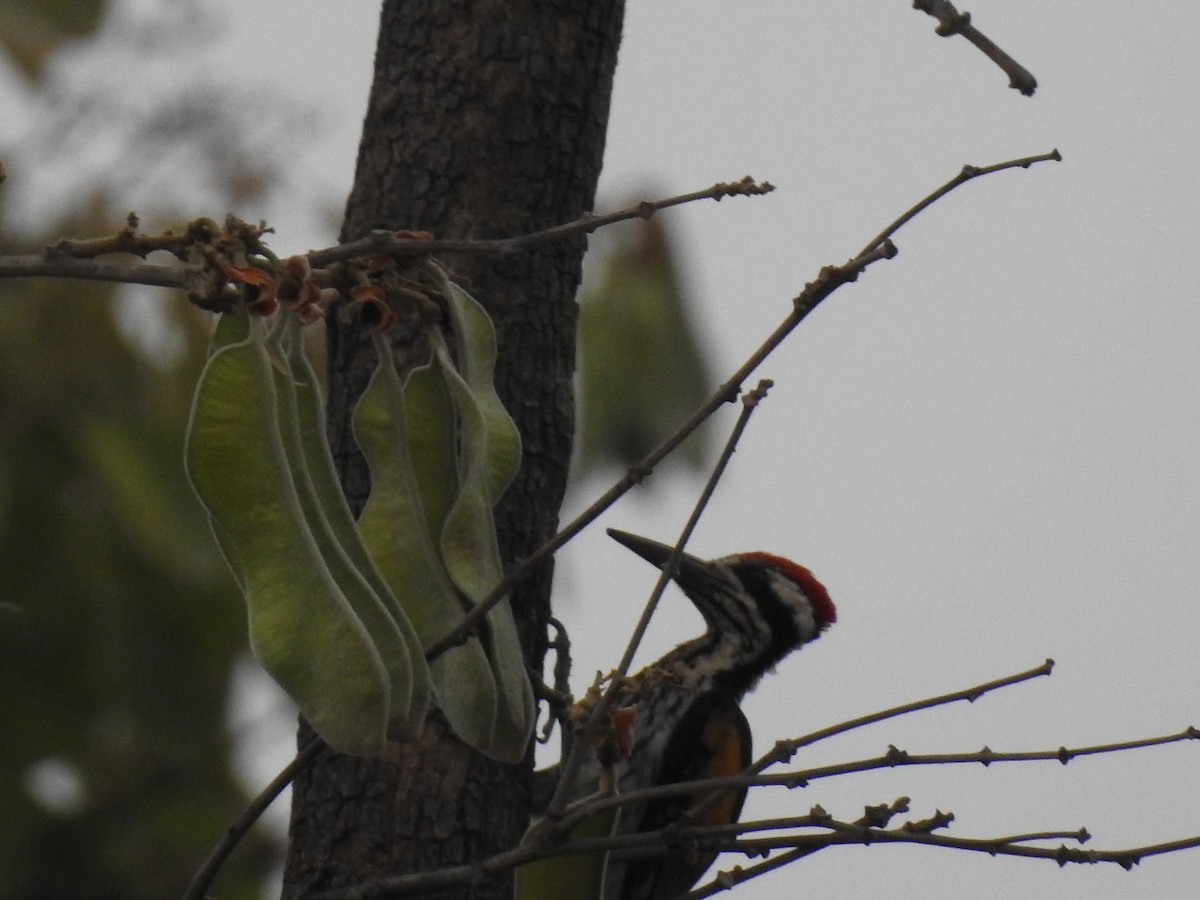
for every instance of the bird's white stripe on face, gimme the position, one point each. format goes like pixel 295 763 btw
pixel 797 601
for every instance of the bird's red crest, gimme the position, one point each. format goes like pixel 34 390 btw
pixel 823 609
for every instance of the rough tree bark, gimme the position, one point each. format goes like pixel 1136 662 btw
pixel 486 119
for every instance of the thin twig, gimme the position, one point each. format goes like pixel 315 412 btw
pixel 580 747
pixel 203 239
pixel 968 173
pixel 204 876
pixel 1062 855
pixel 829 280
pixel 786 749
pixel 892 759
pixel 43 266
pixel 722 838
pixel 403 243
pixel 783 750
pixel 951 21
pixel 727 880
pixel 77 259
pixel 1080 835
pixel 750 403
pixel 773 834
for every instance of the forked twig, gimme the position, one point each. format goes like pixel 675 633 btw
pixel 78 259
pixel 757 837
pixel 892 759
pixel 784 750
pixel 828 280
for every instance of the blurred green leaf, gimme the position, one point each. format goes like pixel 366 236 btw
pixel 121 627
pixel 571 875
pixel 641 368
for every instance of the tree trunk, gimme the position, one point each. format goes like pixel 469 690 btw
pixel 486 119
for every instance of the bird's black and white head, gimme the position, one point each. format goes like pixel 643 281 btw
pixel 758 608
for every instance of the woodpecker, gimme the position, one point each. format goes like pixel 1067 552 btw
pixel 687 724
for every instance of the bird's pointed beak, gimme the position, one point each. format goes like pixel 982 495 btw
pixel 691 569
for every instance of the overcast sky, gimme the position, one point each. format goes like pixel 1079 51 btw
pixel 986 449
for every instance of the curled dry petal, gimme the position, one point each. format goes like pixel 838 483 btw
pixel 298 267
pixel 263 303
pixel 307 313
pixel 372 296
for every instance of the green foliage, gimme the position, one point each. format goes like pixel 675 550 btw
pixel 441 450
pixel 641 368
pixel 118 626
pixel 413 481
pixel 489 453
pixel 576 875
pixel 303 628
pixel 341 612
pixel 374 602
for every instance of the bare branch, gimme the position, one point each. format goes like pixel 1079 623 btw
pixel 1080 835
pixel 894 758
pixel 1062 855
pixel 726 880
pixel 829 280
pixel 951 21
pixel 202 880
pixel 968 172
pixel 784 750
pixel 750 402
pixel 781 835
pixel 205 247
pixel 406 243
pixel 53 266
pixel 767 835
pixel 71 258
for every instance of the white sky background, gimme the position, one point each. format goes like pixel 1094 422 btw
pixel 986 448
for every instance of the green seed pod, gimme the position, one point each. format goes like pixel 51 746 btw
pixel 489 455
pixel 322 502
pixel 302 629
pixel 432 441
pixel 476 344
pixel 472 557
pixel 311 419
pixel 232 328
pixel 395 532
